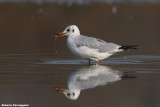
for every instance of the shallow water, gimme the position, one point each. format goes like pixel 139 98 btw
pixel 31 80
pixel 30 68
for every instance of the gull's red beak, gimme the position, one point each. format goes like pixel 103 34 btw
pixel 61 90
pixel 57 35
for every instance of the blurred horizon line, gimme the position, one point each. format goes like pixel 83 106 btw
pixel 82 2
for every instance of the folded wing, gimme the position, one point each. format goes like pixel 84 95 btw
pixel 95 43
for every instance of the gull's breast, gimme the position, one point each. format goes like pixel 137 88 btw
pixel 78 50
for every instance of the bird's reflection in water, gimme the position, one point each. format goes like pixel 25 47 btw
pixel 89 77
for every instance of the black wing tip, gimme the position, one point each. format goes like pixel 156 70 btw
pixel 128 47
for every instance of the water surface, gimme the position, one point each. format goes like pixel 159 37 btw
pixel 30 68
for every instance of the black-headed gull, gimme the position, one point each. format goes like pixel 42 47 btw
pixel 89 47
pixel 89 77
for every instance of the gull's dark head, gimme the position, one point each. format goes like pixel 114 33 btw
pixel 70 94
pixel 71 30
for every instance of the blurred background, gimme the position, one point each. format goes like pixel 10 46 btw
pixel 29 25
pixel 30 68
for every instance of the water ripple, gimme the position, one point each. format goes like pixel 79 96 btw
pixel 132 59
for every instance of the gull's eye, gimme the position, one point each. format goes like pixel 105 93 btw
pixel 68 94
pixel 73 94
pixel 73 30
pixel 68 30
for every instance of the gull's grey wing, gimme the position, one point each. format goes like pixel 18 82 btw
pixel 96 43
pixel 92 76
pixel 94 81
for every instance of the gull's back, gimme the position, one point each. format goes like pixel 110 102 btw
pixel 95 43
